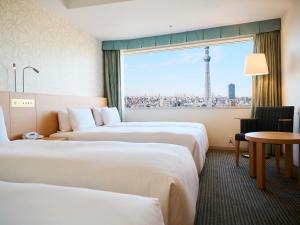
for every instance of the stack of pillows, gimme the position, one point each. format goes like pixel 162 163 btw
pixel 76 119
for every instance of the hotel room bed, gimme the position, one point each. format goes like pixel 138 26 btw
pixel 162 171
pixel 191 135
pixel 40 204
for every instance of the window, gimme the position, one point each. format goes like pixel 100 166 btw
pixel 201 76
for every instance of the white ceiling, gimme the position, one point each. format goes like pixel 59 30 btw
pixel 123 19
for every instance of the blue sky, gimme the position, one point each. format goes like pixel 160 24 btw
pixel 181 71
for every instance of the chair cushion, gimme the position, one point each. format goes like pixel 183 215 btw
pixel 240 137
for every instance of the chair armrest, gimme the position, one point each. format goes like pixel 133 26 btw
pixel 248 119
pixel 248 125
pixel 285 125
pixel 285 120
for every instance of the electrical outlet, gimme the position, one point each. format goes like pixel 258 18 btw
pixel 22 103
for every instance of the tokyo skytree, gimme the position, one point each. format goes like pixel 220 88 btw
pixel 207 94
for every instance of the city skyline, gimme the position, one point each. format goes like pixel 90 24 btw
pixel 182 72
pixel 184 101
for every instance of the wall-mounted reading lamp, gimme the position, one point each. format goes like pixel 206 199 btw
pixel 28 67
pixel 15 74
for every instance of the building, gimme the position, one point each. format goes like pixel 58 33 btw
pixel 231 91
pixel 207 89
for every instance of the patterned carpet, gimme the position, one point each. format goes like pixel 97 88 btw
pixel 229 196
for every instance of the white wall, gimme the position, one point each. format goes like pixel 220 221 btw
pixel 291 63
pixel 220 123
pixel 68 59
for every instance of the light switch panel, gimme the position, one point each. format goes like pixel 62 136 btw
pixel 22 103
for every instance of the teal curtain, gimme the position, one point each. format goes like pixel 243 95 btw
pixel 112 78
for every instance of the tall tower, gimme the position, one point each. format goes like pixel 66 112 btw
pixel 207 94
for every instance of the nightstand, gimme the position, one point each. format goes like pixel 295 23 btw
pixel 54 139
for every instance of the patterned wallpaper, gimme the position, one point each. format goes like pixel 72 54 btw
pixel 68 59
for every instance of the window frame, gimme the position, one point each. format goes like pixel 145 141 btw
pixel 195 44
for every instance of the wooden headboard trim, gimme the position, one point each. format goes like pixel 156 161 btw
pixel 43 117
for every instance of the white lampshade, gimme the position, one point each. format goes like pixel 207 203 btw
pixel 256 64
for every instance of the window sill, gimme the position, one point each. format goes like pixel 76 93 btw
pixel 187 108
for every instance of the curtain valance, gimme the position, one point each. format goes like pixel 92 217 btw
pixel 197 35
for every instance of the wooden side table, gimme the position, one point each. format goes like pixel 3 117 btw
pixel 257 141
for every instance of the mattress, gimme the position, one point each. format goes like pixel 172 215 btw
pixel 191 135
pixel 162 171
pixel 36 204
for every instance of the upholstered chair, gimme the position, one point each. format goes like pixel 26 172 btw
pixel 266 119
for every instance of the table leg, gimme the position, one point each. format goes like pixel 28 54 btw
pixel 237 152
pixel 252 159
pixel 277 157
pixel 288 160
pixel 299 166
pixel 260 166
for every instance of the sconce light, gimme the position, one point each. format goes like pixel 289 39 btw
pixel 15 74
pixel 28 67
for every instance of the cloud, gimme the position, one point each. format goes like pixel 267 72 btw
pixel 181 58
pixel 216 54
pixel 190 57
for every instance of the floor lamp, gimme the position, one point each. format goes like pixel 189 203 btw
pixel 255 65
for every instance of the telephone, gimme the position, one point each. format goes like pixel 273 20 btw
pixel 32 136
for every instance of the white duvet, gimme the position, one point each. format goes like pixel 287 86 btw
pixel 191 135
pixel 39 204
pixel 162 171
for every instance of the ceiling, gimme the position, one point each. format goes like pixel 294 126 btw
pixel 125 19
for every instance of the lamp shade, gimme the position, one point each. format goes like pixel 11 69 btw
pixel 256 64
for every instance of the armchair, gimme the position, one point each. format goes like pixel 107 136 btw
pixel 266 119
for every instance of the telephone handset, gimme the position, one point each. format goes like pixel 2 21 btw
pixel 32 136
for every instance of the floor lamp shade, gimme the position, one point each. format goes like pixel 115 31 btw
pixel 256 64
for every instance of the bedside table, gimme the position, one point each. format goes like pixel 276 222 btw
pixel 54 139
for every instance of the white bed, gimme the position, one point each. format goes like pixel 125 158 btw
pixel 39 204
pixel 191 135
pixel 162 171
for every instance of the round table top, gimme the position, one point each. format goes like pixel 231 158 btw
pixel 273 137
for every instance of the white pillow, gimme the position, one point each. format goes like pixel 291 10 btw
pixel 97 112
pixel 110 116
pixel 64 121
pixel 3 132
pixel 81 118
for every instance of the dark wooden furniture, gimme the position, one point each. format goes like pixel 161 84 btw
pixel 266 119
